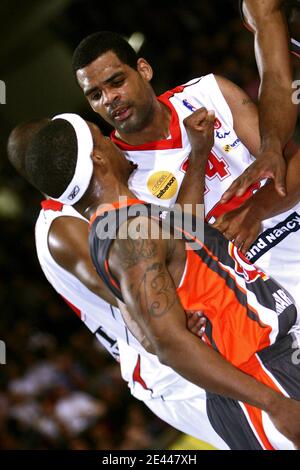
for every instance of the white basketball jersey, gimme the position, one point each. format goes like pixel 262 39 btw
pixel 162 165
pixel 147 378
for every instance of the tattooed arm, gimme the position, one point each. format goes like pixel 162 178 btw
pixel 151 298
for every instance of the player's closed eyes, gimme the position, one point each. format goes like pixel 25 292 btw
pixel 96 96
pixel 117 83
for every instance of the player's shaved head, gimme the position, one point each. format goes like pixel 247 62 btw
pixel 19 140
pixel 51 157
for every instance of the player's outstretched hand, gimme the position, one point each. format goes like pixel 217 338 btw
pixel 268 164
pixel 241 226
pixel 200 130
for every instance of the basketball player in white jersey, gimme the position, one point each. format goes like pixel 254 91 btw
pixel 151 133
pixel 61 236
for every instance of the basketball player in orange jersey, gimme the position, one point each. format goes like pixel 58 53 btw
pixel 251 318
pixel 61 238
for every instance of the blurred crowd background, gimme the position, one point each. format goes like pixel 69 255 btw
pixel 59 389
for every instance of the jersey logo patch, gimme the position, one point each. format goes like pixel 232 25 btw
pixel 227 148
pixel 162 184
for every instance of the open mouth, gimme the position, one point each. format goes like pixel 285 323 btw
pixel 122 114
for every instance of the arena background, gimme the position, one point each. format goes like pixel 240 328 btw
pixel 52 361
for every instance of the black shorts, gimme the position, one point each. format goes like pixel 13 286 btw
pixel 227 416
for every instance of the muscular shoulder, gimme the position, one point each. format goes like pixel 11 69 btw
pixel 68 239
pixel 244 114
pixel 69 246
pixel 233 94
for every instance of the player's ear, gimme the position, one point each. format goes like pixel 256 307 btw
pixel 99 161
pixel 144 69
pixel 98 158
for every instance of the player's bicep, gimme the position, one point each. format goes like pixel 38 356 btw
pixel 147 287
pixel 244 113
pixel 151 297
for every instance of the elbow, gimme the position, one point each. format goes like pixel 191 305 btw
pixel 171 347
pixel 165 353
pixel 164 358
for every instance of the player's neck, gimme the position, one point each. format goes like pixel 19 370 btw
pixel 106 194
pixel 157 129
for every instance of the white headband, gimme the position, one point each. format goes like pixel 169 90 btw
pixel 84 165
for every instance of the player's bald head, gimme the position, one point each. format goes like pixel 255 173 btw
pixel 19 140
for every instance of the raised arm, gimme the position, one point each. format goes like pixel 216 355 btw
pixel 243 224
pixel 277 113
pixel 151 298
pixel 200 131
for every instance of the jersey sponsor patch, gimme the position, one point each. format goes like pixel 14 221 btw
pixel 162 184
pixel 227 148
pixel 273 236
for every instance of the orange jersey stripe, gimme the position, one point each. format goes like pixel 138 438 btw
pixel 204 289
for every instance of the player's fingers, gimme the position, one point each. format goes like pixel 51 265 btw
pixel 195 118
pixel 231 191
pixel 280 182
pixel 192 319
pixel 207 124
pixel 218 222
pixel 246 244
pixel 221 226
pixel 246 181
pixel 201 332
pixel 229 236
pixel 239 241
pixel 211 116
pixel 221 223
pixel 194 327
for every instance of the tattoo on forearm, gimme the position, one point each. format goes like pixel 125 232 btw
pixel 246 101
pixel 156 291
